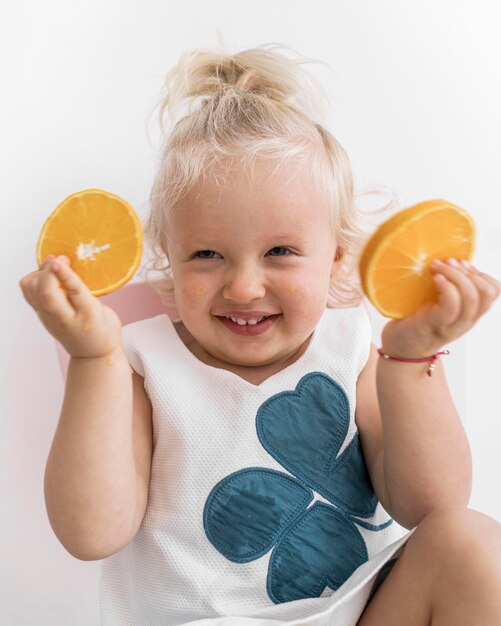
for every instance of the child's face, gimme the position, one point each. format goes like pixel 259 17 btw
pixel 252 248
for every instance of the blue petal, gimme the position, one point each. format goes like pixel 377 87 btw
pixel 304 430
pixel 247 511
pixel 350 486
pixel 322 549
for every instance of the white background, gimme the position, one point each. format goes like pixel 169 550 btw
pixel 416 102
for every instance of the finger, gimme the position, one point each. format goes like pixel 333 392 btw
pixel 76 290
pixel 488 287
pixel 28 287
pixel 71 293
pixel 446 311
pixel 470 299
pixel 46 261
pixel 50 297
pixel 30 282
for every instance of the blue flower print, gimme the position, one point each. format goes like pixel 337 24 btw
pixel 257 509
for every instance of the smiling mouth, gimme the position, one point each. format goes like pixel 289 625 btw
pixel 251 322
pixel 250 327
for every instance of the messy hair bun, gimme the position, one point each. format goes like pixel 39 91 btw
pixel 218 109
pixel 257 81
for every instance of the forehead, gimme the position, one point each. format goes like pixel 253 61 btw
pixel 265 197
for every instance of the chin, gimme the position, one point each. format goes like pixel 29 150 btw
pixel 248 360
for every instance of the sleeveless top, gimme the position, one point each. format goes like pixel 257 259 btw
pixel 260 502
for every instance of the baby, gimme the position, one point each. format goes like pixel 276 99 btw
pixel 274 469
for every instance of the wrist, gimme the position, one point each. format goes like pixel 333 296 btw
pixel 107 356
pixel 410 344
pixel 429 360
pixel 409 352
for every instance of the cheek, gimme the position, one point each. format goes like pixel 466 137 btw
pixel 306 288
pixel 305 300
pixel 292 287
pixel 190 293
pixel 306 284
pixel 198 291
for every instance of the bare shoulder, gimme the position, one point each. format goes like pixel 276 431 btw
pixel 142 428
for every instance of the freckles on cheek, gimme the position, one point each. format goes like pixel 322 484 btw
pixel 193 290
pixel 199 290
pixel 299 292
pixel 296 294
pixel 296 288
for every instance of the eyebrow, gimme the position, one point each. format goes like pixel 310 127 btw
pixel 283 237
pixel 288 236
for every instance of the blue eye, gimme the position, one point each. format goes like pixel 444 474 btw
pixel 278 251
pixel 205 254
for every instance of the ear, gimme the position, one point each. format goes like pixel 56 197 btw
pixel 337 261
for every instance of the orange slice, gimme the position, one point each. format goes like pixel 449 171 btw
pixel 101 235
pixel 394 265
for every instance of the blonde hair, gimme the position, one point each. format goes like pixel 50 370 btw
pixel 257 103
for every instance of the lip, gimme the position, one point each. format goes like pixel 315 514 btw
pixel 249 331
pixel 246 315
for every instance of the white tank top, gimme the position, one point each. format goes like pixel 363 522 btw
pixel 259 497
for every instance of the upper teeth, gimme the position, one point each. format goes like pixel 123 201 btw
pixel 244 322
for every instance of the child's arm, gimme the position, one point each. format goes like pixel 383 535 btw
pixel 97 474
pixel 413 440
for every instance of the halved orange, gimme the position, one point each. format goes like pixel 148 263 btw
pixel 100 233
pixel 394 265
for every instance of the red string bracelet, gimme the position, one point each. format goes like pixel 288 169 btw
pixel 431 359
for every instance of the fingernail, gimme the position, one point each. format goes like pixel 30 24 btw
pixel 436 262
pixel 453 262
pixel 47 260
pixel 470 267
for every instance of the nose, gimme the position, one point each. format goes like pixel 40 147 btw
pixel 244 285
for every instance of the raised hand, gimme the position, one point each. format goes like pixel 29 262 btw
pixel 464 295
pixel 70 313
